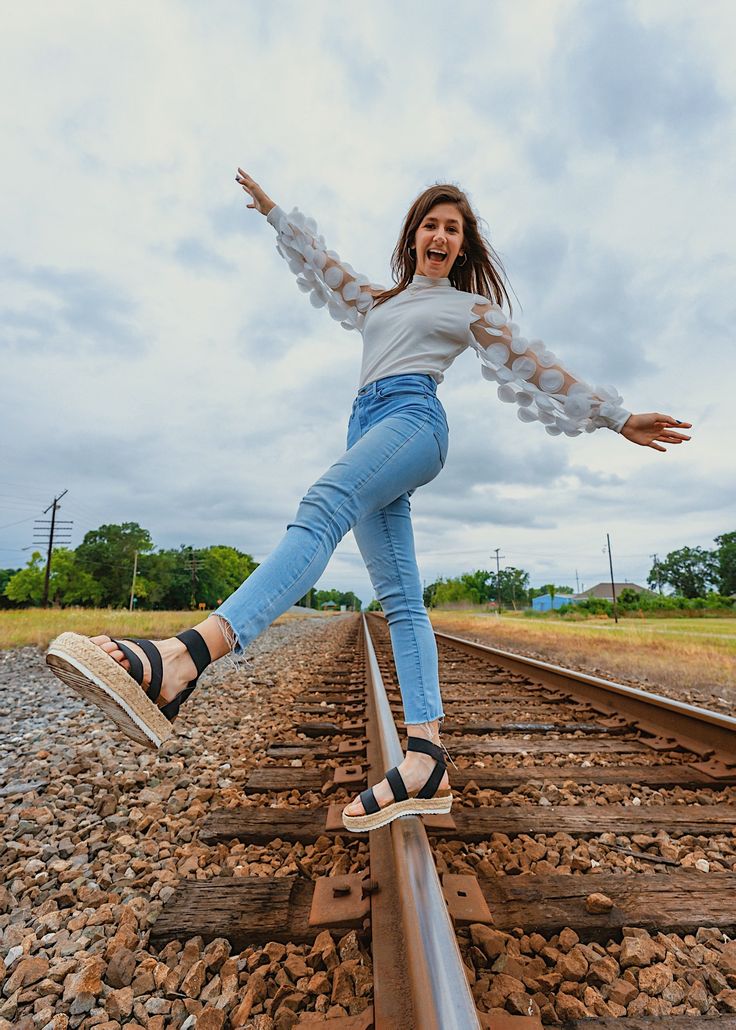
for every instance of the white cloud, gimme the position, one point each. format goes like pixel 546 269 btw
pixel 160 363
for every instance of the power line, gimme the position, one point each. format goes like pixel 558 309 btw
pixel 655 570
pixel 135 572
pixel 498 580
pixel 53 508
pixel 18 523
pixel 193 562
pixel 613 585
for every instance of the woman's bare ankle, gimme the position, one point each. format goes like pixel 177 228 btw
pixel 427 730
pixel 218 635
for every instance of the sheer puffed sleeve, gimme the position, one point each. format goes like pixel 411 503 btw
pixel 320 272
pixel 529 375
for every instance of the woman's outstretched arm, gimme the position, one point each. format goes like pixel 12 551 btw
pixel 319 272
pixel 530 375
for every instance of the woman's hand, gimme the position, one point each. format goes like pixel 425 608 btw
pixel 261 201
pixel 647 429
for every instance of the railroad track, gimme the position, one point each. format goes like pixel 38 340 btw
pixel 586 875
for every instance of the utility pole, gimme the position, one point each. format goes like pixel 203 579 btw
pixel 498 580
pixel 135 571
pixel 64 530
pixel 613 585
pixel 193 566
pixel 577 581
pixel 655 559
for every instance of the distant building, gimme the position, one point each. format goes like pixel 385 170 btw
pixel 603 591
pixel 546 602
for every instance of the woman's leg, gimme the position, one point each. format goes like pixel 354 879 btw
pixel 396 455
pixel 386 542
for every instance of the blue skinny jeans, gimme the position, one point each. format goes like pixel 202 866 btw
pixel 397 441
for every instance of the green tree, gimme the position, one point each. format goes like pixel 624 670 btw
pixel 223 570
pixel 339 597
pixel 108 554
pixel 68 582
pixel 26 586
pixel 513 585
pixel 726 563
pixel 478 585
pixel 689 571
pixel 166 581
pixel 5 576
pixel 450 591
pixel 176 578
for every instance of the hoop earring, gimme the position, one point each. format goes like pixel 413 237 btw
pixel 460 264
pixel 410 249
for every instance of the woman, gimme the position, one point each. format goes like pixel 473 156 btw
pixel 447 297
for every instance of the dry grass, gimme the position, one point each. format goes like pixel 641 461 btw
pixel 690 658
pixel 38 626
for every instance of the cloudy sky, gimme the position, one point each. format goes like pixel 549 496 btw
pixel 159 362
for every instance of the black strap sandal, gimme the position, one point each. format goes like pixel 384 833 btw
pixel 428 800
pixel 121 695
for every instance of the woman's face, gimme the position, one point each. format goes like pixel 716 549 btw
pixel 439 240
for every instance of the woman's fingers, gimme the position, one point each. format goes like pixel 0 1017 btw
pixel 244 180
pixel 655 428
pixel 670 421
pixel 247 184
pixel 668 434
pixel 260 200
pixel 666 437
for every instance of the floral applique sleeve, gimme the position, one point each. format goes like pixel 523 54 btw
pixel 319 272
pixel 530 375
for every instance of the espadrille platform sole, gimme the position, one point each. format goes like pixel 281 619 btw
pixel 441 804
pixel 98 678
pixel 428 800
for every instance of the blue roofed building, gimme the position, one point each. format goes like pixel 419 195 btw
pixel 546 602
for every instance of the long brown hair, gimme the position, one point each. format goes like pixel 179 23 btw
pixel 482 270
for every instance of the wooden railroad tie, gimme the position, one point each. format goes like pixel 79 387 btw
pixel 256 909
pixel 285 778
pixel 260 826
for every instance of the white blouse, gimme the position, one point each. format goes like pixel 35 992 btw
pixel 425 327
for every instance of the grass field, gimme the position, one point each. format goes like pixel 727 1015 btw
pixel 692 658
pixel 39 626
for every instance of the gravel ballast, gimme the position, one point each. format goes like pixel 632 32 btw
pixel 96 832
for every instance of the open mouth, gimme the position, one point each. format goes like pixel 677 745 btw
pixel 436 255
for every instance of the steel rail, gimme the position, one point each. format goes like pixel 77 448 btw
pixel 440 992
pixel 699 729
